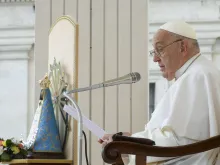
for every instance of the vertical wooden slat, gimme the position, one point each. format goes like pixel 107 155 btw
pixel 71 8
pixel 42 26
pixel 97 101
pixel 130 64
pixel 139 64
pixel 57 9
pixel 124 63
pixel 111 64
pixel 84 63
pixel 64 5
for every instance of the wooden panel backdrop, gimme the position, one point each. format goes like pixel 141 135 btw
pixel 113 39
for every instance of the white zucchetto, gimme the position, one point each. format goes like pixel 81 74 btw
pixel 181 28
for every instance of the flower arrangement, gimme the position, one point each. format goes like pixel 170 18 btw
pixel 11 149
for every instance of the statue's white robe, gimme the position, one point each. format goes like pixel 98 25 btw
pixel 188 112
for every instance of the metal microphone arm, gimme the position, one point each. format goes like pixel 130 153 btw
pixel 85 89
pixel 126 79
pixel 105 84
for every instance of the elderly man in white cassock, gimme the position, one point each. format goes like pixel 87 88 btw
pixel 190 110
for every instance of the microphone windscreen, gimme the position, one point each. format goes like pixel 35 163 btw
pixel 135 76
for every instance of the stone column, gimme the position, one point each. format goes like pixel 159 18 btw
pixel 16 44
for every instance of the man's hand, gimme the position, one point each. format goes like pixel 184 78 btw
pixel 107 138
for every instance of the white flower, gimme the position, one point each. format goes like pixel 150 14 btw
pixel 1 150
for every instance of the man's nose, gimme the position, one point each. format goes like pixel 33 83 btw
pixel 156 59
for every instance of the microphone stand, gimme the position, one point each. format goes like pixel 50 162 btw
pixel 80 124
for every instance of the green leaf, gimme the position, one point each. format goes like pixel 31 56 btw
pixel 5 157
pixel 8 143
pixel 23 152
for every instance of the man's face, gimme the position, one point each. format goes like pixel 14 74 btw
pixel 168 52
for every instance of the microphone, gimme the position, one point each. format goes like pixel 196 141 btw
pixel 126 79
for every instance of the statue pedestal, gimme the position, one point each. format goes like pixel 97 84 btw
pixel 39 162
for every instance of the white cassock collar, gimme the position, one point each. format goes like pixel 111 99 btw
pixel 182 70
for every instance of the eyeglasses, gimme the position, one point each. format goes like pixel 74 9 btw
pixel 158 52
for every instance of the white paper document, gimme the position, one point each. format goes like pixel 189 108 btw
pixel 94 128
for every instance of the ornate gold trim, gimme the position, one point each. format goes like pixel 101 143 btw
pixel 66 17
pixel 75 160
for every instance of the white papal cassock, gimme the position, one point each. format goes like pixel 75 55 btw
pixel 187 113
